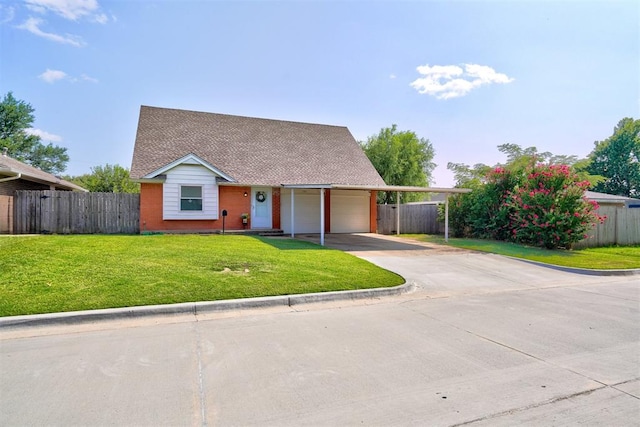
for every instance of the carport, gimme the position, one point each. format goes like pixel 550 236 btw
pixel 396 188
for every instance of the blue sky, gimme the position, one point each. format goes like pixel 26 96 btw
pixel 466 75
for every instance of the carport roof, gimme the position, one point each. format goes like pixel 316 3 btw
pixel 400 188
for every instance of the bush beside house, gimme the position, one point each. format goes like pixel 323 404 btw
pixel 542 205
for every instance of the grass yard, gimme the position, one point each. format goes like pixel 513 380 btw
pixel 45 274
pixel 608 258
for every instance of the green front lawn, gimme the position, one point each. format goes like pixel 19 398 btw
pixel 609 258
pixel 45 274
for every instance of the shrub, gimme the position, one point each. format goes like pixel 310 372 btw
pixel 549 209
pixel 541 205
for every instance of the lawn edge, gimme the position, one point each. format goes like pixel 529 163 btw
pixel 577 270
pixel 199 307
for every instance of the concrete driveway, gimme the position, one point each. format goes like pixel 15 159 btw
pixel 485 340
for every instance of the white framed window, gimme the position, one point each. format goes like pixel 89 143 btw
pixel 191 198
pixel 190 192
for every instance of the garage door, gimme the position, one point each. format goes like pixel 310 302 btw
pixel 349 211
pixel 307 210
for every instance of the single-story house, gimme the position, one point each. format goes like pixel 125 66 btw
pixel 15 175
pixel 605 199
pixel 193 166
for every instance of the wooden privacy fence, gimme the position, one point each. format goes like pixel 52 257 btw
pixel 414 218
pixel 622 227
pixel 70 212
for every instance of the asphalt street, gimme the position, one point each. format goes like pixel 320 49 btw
pixel 484 340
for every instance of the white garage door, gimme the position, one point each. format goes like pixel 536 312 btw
pixel 349 211
pixel 307 210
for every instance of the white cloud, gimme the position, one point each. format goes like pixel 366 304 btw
pixel 7 13
pixel 452 81
pixel 44 135
pixel 51 76
pixel 101 19
pixel 33 26
pixel 392 76
pixel 88 79
pixel 69 9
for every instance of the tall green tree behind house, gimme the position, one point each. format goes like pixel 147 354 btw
pixel 16 118
pixel 617 159
pixel 107 179
pixel 401 158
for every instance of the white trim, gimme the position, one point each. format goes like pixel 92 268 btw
pixel 189 159
pixel 401 188
pixel 308 186
pixel 181 197
pixel 293 213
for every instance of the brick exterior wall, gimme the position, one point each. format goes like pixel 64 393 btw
pixel 276 207
pixel 8 188
pixel 373 212
pixel 231 199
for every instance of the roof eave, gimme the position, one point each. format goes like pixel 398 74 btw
pixel 184 159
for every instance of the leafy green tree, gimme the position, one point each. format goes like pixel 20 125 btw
pixel 16 117
pixel 521 157
pixel 107 179
pixel 617 159
pixel 401 158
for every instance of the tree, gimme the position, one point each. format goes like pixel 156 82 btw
pixel 401 158
pixel 107 179
pixel 16 117
pixel 617 159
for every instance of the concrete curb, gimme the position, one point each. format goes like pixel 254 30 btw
pixel 586 271
pixel 86 316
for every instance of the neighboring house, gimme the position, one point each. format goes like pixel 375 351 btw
pixel 192 166
pixel 604 199
pixel 15 175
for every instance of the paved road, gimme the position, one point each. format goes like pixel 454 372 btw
pixel 484 340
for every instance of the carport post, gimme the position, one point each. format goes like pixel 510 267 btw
pixel 322 217
pixel 397 213
pixel 293 213
pixel 446 217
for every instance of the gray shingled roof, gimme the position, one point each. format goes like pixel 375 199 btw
pixel 252 151
pixel 11 167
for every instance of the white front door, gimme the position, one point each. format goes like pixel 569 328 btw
pixel 261 207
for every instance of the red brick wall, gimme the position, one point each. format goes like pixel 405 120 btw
pixel 373 212
pixel 230 198
pixel 233 200
pixel 275 208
